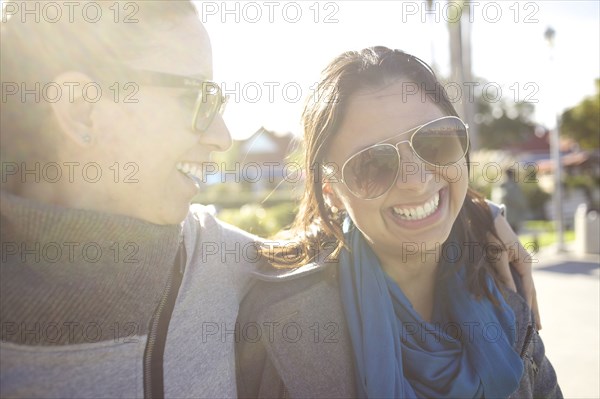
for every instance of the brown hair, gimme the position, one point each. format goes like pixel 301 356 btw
pixel 316 229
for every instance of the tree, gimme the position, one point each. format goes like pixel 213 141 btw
pixel 582 122
pixel 502 124
pixel 459 31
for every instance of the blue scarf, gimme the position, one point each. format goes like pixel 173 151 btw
pixel 466 352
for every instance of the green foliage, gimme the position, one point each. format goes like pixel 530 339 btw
pixel 536 199
pixel 581 181
pixel 542 233
pixel 587 184
pixel 543 239
pixel 582 122
pixel 487 171
pixel 233 195
pixel 264 222
pixel 502 124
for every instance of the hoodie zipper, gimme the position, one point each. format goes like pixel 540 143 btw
pixel 153 383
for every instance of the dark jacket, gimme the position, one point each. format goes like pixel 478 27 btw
pixel 293 341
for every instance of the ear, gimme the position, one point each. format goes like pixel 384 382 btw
pixel 73 109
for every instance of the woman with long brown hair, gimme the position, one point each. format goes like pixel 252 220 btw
pixel 389 285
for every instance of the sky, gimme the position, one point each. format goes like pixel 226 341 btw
pixel 268 54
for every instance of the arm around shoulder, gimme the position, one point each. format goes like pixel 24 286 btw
pixel 228 246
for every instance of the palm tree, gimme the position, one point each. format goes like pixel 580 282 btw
pixel 459 29
pixel 431 22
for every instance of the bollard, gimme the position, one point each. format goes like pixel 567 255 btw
pixel 587 231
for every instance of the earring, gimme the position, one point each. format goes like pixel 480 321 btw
pixel 86 138
pixel 336 215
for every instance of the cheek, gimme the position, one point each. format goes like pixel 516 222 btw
pixel 363 213
pixel 340 197
pixel 455 174
pixel 149 114
pixel 155 138
pixel 459 182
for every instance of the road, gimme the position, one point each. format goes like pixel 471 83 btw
pixel 568 289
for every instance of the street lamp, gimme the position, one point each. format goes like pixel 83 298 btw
pixel 555 155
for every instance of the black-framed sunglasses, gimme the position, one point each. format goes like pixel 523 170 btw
pixel 209 102
pixel 371 172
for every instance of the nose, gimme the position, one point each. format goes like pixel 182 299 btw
pixel 414 173
pixel 217 135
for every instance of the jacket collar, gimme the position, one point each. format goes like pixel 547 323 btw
pixel 269 273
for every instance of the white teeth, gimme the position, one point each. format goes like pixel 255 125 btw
pixel 190 169
pixel 419 212
pixel 428 207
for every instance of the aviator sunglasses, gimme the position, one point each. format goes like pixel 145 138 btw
pixel 371 172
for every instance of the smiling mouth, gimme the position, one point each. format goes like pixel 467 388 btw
pixel 418 212
pixel 191 170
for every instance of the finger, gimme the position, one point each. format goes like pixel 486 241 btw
pixel 531 298
pixel 519 257
pixel 503 268
pixel 528 289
